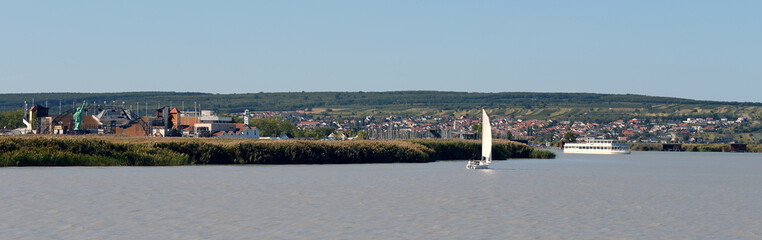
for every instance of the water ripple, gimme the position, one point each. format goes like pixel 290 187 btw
pixel 643 196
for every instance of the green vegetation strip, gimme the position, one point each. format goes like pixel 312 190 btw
pixel 125 151
pixel 586 107
pixel 693 147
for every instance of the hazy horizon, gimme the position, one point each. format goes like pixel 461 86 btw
pixel 376 92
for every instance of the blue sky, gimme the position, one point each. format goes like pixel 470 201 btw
pixel 693 49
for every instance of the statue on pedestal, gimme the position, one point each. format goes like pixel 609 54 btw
pixel 78 117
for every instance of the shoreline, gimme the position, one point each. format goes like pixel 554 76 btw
pixel 688 147
pixel 696 147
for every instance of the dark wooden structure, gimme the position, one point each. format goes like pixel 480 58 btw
pixel 672 147
pixel 737 147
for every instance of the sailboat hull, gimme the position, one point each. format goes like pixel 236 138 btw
pixel 477 166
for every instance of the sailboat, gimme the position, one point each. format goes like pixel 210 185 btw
pixel 486 158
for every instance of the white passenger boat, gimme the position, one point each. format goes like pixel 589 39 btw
pixel 486 158
pixel 598 146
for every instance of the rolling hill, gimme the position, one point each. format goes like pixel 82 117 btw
pixel 569 106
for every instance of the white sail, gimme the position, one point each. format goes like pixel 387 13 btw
pixel 486 158
pixel 486 138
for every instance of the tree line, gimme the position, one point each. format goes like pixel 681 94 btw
pixel 290 101
pixel 587 107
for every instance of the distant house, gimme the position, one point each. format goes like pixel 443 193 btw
pixel 236 130
pixel 285 136
pixel 208 116
pixel 243 132
pixel 307 125
pixel 335 136
pixel 188 130
pixel 248 132
pixel 432 133
pixel 89 123
pixel 467 135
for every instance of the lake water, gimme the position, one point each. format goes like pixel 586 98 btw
pixel 645 195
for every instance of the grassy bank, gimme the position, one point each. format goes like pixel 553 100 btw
pixel 693 147
pixel 136 151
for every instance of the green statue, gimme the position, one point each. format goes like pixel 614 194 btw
pixel 78 117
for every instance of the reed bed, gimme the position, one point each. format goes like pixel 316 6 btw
pixel 458 149
pixel 26 151
pixel 754 148
pixel 299 152
pixel 712 147
pixel 705 147
pixel 147 151
pixel 717 148
pixel 646 146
